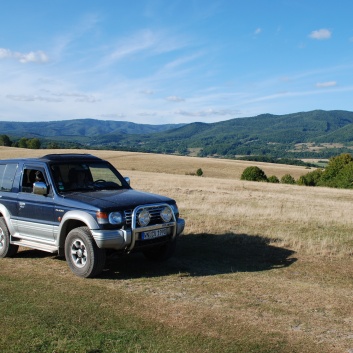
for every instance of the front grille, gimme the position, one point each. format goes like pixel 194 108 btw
pixel 153 210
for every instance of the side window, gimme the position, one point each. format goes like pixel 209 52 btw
pixel 7 176
pixel 29 177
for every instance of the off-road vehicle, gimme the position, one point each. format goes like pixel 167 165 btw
pixel 79 206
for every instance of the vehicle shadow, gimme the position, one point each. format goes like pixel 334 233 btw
pixel 205 255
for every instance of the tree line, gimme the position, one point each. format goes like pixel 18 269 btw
pixel 337 174
pixel 33 143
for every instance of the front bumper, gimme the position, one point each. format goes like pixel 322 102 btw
pixel 122 239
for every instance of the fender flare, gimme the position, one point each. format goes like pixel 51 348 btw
pixel 7 215
pixel 76 215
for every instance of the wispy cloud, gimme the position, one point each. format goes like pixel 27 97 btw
pixel 175 99
pixel 209 112
pixel 24 58
pixel 144 42
pixel 33 98
pixel 140 41
pixel 112 116
pixel 321 34
pixel 257 31
pixel 326 84
pixel 72 35
pixel 147 92
pixel 53 97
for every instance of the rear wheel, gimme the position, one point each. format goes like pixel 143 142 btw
pixel 6 249
pixel 82 254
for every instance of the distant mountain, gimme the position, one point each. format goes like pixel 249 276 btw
pixel 79 127
pixel 300 135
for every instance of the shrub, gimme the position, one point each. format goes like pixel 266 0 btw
pixel 311 179
pixel 199 172
pixel 253 174
pixel 273 179
pixel 287 179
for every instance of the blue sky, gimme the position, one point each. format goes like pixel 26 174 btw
pixel 159 61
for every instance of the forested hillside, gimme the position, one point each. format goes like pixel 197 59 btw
pixel 318 133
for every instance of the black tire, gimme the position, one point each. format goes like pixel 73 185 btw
pixel 161 253
pixel 6 249
pixel 82 254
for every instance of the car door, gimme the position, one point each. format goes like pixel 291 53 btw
pixel 35 218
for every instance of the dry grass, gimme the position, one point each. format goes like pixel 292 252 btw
pixel 259 262
pixel 148 162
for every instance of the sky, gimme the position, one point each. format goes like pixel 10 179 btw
pixel 173 61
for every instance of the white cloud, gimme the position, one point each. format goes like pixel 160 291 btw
pixel 147 92
pixel 209 112
pixel 257 31
pixel 33 98
pixel 175 99
pixel 326 84
pixel 112 116
pixel 321 34
pixel 78 97
pixel 24 58
pixel 144 42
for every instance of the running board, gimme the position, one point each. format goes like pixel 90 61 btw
pixel 35 245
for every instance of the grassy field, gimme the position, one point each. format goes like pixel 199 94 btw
pixel 260 268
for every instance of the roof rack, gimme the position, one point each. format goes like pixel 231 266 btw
pixel 66 156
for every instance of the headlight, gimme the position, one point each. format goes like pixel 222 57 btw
pixel 175 209
pixel 144 218
pixel 115 218
pixel 166 214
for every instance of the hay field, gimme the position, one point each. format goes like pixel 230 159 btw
pixel 261 267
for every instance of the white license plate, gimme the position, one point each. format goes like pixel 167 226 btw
pixel 154 234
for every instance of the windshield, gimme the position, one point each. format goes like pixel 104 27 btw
pixel 83 176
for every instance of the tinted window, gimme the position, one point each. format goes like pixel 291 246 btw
pixel 7 176
pixel 86 176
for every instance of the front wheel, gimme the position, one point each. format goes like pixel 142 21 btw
pixel 6 249
pixel 82 254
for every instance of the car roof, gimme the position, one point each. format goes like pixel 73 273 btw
pixel 69 157
pixel 62 157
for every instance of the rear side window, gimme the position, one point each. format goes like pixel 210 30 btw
pixel 7 176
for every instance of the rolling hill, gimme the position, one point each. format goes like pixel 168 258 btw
pixel 331 132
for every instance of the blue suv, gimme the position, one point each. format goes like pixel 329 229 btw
pixel 79 206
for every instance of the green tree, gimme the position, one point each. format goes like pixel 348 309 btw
pixel 33 144
pixel 287 179
pixel 311 179
pixel 5 140
pixel 334 170
pixel 273 179
pixel 53 145
pixel 253 173
pixel 23 142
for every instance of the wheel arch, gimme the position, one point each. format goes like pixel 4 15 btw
pixel 72 220
pixel 4 212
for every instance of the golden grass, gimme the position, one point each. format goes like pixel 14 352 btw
pixel 159 163
pixel 231 206
pixel 257 259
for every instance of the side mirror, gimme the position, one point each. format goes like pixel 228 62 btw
pixel 127 179
pixel 40 188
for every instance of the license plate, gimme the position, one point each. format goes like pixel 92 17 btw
pixel 152 234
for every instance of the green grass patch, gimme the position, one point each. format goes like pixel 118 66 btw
pixel 46 313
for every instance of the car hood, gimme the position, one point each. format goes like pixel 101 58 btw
pixel 117 199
